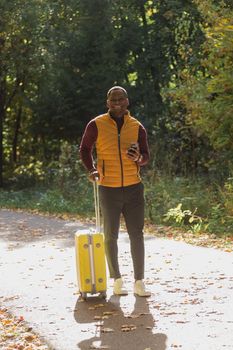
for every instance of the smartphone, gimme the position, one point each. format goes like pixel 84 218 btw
pixel 133 148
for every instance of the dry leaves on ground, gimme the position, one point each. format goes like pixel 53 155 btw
pixel 202 239
pixel 128 327
pixel 16 335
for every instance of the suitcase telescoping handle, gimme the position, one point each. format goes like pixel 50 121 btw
pixel 97 206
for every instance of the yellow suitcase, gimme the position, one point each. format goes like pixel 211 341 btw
pixel 90 257
pixel 90 262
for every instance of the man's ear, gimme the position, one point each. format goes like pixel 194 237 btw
pixel 107 103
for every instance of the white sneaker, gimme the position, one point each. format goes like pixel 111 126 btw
pixel 140 290
pixel 119 288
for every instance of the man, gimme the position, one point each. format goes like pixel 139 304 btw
pixel 121 146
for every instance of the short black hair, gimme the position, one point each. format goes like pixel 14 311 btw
pixel 116 87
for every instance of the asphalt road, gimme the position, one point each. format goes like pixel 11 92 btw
pixel 191 307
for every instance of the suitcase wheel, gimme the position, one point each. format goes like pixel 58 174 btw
pixel 103 295
pixel 83 295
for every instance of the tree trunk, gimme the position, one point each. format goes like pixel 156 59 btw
pixel 16 134
pixel 153 70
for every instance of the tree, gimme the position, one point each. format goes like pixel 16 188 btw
pixel 80 69
pixel 20 61
pixel 58 59
pixel 208 95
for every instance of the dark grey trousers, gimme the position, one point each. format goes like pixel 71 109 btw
pixel 128 201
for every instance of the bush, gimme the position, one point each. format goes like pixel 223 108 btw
pixel 192 203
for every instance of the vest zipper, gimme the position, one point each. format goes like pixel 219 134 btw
pixel 103 168
pixel 119 147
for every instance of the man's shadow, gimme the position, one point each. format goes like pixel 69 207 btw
pixel 116 330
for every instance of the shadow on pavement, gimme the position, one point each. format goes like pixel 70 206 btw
pixel 116 330
pixel 21 228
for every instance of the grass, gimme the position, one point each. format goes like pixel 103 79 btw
pixel 202 205
pixel 208 203
pixel 50 200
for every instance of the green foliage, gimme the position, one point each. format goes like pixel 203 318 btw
pixel 227 195
pixel 55 201
pixel 221 214
pixel 192 205
pixel 30 173
pixel 217 103
pixel 49 201
pixel 207 95
pixel 164 192
pixel 186 217
pixel 58 59
pixel 196 205
pixel 64 57
pixel 61 187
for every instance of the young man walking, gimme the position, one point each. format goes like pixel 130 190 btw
pixel 121 147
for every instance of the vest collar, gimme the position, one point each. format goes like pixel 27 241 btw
pixel 126 115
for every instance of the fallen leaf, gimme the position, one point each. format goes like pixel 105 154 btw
pixel 108 313
pixel 6 322
pixel 133 316
pixel 16 334
pixel 9 335
pixel 97 317
pixel 107 330
pixel 99 305
pixel 29 337
pixel 128 327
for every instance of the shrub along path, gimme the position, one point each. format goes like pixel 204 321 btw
pixel 190 307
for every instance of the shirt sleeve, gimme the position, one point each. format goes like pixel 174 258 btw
pixel 143 146
pixel 86 147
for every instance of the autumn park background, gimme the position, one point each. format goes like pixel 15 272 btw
pixel 175 58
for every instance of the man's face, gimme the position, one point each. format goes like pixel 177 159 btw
pixel 117 103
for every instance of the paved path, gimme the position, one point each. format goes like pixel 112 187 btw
pixel 191 307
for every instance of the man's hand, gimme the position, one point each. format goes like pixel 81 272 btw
pixel 93 175
pixel 133 152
